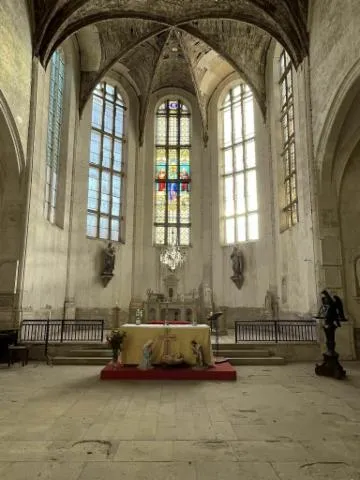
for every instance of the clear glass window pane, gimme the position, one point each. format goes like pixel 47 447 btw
pixel 240 193
pixel 253 226
pixel 95 146
pixel 241 228
pixel 250 157
pixel 119 121
pixel 251 190
pixel 228 161
pixel 239 174
pixel 229 196
pixel 105 182
pixel 249 117
pixel 239 157
pixel 238 124
pixel 104 227
pixel 230 230
pixel 227 127
pixel 107 147
pixel 97 109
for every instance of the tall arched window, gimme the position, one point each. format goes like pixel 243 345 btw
pixel 239 219
pixel 106 165
pixel 172 174
pixel 54 133
pixel 290 214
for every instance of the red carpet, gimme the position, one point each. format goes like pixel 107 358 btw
pixel 222 371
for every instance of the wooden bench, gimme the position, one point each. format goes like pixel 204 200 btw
pixel 18 353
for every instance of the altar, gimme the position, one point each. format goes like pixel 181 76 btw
pixel 168 339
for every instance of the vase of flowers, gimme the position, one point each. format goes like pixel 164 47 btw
pixel 115 340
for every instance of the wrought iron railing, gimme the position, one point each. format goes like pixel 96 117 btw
pixel 60 331
pixel 278 331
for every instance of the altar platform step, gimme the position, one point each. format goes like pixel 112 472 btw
pixel 101 356
pixel 221 372
pixel 247 354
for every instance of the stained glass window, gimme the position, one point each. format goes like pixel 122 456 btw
pixel 106 165
pixel 239 220
pixel 290 215
pixel 172 182
pixel 55 117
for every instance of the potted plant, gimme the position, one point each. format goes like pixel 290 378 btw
pixel 115 340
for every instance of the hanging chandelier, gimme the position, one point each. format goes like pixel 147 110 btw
pixel 171 256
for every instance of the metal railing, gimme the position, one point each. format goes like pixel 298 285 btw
pixel 276 331
pixel 60 331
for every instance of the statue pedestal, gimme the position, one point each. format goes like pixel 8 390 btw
pixel 331 367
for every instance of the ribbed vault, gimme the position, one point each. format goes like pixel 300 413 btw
pixel 172 43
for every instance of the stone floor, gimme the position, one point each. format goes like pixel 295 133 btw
pixel 282 422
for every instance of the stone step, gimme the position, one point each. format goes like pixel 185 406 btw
pixel 243 353
pixel 241 346
pixel 225 353
pixel 100 352
pixel 102 361
pixel 80 360
pixel 257 361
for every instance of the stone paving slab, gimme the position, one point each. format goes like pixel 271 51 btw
pixel 274 423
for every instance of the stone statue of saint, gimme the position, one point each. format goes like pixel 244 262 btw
pixel 237 261
pixel 109 259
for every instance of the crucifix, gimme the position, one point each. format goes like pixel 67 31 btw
pixel 167 339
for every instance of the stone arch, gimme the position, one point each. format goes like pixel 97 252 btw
pixel 12 166
pixel 334 156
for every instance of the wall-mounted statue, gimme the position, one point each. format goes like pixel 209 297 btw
pixel 237 261
pixel 271 304
pixel 108 264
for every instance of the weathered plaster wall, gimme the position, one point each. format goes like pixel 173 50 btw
pixel 47 247
pixel 349 209
pixel 16 56
pixel 258 255
pixel 294 247
pixel 334 27
pixel 85 287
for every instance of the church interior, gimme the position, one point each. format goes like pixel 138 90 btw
pixel 163 160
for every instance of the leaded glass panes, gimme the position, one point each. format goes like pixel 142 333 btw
pixel 240 204
pixel 106 169
pixel 57 71
pixel 290 203
pixel 172 173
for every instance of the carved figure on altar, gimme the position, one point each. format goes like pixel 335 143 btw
pixel 237 262
pixel 199 354
pixel 145 363
pixel 109 259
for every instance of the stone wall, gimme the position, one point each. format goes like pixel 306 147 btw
pixel 334 48
pixel 295 281
pixel 259 269
pixel 16 57
pixel 91 299
pixel 46 266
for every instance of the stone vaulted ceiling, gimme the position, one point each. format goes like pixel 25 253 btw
pixel 172 43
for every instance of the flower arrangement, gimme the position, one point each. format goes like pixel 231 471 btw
pixel 115 340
